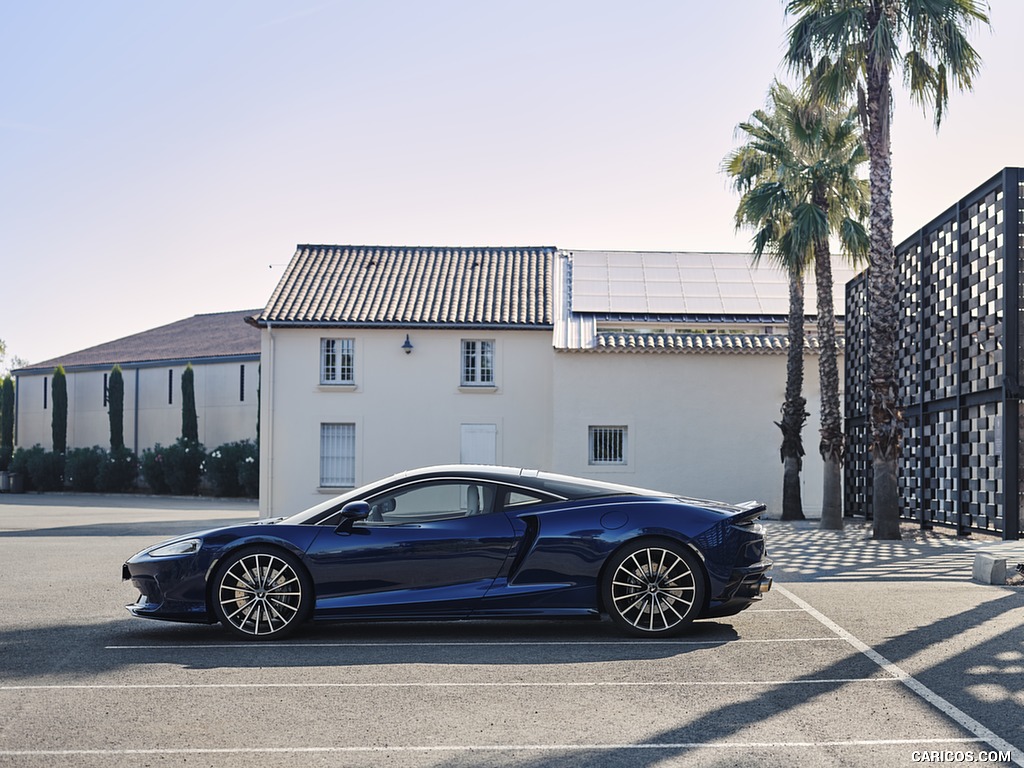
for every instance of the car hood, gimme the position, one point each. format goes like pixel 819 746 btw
pixel 207 532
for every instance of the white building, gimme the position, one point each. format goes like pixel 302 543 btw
pixel 670 373
pixel 664 370
pixel 222 349
pixel 382 359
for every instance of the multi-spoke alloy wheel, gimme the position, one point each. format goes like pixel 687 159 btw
pixel 260 595
pixel 653 587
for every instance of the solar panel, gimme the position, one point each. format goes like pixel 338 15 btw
pixel 627 282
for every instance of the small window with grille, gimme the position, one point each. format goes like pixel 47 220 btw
pixel 337 455
pixel 607 445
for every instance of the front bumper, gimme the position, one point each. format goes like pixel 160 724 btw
pixel 170 589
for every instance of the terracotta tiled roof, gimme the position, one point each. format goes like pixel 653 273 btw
pixel 224 334
pixel 380 285
pixel 737 343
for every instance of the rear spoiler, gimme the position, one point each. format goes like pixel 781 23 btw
pixel 749 511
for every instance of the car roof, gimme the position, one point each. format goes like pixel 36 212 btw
pixel 549 483
pixel 567 486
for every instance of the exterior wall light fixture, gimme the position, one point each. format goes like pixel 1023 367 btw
pixel 407 346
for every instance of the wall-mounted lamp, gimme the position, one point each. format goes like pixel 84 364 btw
pixel 407 346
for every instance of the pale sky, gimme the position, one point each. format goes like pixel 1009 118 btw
pixel 157 158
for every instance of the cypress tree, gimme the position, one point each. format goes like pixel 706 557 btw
pixel 115 408
pixel 6 422
pixel 59 389
pixel 189 417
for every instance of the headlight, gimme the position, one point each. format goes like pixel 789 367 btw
pixel 186 547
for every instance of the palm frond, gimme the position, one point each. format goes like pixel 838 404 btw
pixel 854 239
pixel 798 174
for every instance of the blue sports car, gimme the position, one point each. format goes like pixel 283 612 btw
pixel 465 542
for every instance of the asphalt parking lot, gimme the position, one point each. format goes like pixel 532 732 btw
pixel 865 653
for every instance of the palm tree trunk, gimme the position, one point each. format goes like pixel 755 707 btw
pixel 832 438
pixel 885 414
pixel 794 411
pixel 832 493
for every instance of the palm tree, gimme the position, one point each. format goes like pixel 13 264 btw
pixel 765 206
pixel 853 47
pixel 799 185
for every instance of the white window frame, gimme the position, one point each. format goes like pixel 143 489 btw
pixel 337 455
pixel 337 361
pixel 477 363
pixel 607 446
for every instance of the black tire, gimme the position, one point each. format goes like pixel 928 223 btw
pixel 653 588
pixel 261 593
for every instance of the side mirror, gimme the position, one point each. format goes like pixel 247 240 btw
pixel 355 510
pixel 352 512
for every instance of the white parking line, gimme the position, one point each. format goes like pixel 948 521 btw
pixel 957 714
pixel 771 610
pixel 736 745
pixel 502 643
pixel 488 684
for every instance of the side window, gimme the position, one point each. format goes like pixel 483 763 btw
pixel 424 502
pixel 516 499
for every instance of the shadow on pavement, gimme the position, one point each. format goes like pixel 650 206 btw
pixel 802 552
pixel 80 652
pixel 999 710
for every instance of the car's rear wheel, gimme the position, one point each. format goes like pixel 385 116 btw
pixel 261 594
pixel 653 588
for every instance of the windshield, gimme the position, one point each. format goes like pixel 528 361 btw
pixel 323 508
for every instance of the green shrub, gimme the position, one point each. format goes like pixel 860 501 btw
pixel 249 475
pixel 82 468
pixel 41 470
pixel 175 469
pixel 153 469
pixel 19 463
pixel 118 472
pixel 183 467
pixel 228 467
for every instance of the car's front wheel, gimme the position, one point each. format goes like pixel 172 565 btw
pixel 653 588
pixel 261 594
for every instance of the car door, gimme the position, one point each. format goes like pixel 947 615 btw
pixel 430 548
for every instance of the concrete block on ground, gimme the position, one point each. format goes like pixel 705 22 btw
pixel 989 569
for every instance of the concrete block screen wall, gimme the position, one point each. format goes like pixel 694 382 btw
pixel 958 367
